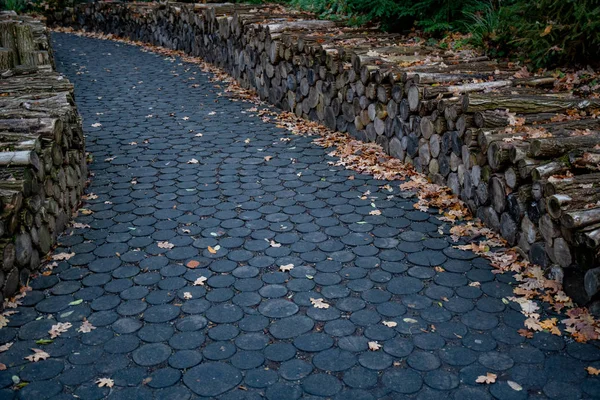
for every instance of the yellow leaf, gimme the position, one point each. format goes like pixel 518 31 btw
pixel 546 31
pixel 593 371
pixel 192 264
pixel 211 250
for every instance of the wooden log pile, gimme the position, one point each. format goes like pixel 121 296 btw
pixel 42 158
pixel 523 156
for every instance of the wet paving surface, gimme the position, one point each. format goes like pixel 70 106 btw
pixel 258 198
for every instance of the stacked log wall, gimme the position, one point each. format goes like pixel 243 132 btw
pixel 42 157
pixel 494 135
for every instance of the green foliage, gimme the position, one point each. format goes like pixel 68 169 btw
pixel 14 5
pixel 433 16
pixel 542 32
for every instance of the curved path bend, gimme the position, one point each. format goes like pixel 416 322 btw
pixel 250 331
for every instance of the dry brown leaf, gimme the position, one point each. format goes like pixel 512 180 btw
pixel 37 355
pixel 102 382
pixel 192 264
pixel 525 333
pixel 58 329
pixel 390 324
pixel 593 371
pixel 374 346
pixel 165 245
pixel 274 244
pixel 268 158
pixel 375 212
pixel 487 379
pixel 318 303
pixel 187 295
pixel 86 327
pixel 193 161
pixel 211 250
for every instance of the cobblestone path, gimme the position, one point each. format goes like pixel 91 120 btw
pixel 250 331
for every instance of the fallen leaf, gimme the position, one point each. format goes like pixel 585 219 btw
pixel 187 295
pixel 375 212
pixel 487 379
pixel 374 346
pixel 318 303
pixel 390 324
pixel 86 327
pixel 286 267
pixel 274 244
pixel 193 161
pixel 410 320
pixel 59 328
pixel 62 256
pixel 97 125
pixel 593 371
pixel 525 333
pixel 37 355
pixel 200 281
pixel 2 367
pixel 515 386
pixel 211 250
pixel 475 284
pixel 80 225
pixel 268 158
pixel 165 245
pixel 102 382
pixel 5 346
pixel 192 264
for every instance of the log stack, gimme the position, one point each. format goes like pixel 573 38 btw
pixel 42 157
pixel 522 155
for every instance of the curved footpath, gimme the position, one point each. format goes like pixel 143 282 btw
pixel 257 199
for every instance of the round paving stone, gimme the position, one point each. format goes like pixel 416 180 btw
pixel 458 356
pixel 404 285
pixel 282 391
pixel 219 351
pixel 279 352
pixel 151 354
pixel 402 380
pixel 321 385
pixel 161 313
pixel 278 308
pixel 496 361
pixel 479 320
pixel 184 359
pixel 441 380
pixel 423 361
pixel 334 360
pixel 313 342
pixel 294 370
pixel 360 378
pixel 224 313
pixel 260 378
pixel 212 379
pixel 247 359
pixel 375 360
pixel 291 327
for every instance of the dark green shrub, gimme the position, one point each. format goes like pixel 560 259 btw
pixel 543 33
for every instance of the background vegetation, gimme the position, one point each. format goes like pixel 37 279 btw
pixel 542 33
